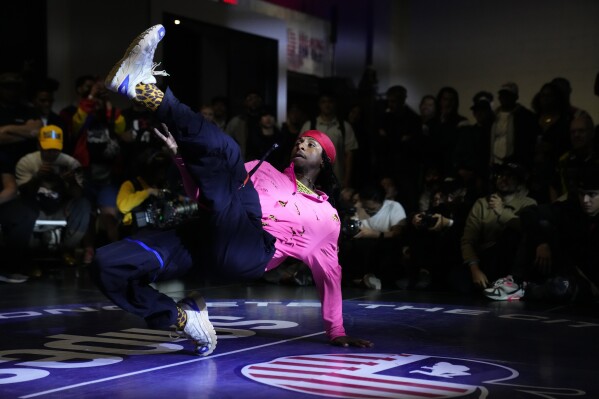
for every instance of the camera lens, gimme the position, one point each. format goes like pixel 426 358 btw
pixel 427 221
pixel 351 227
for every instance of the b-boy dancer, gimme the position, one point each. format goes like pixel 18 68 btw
pixel 256 216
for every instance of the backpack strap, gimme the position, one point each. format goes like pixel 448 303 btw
pixel 341 126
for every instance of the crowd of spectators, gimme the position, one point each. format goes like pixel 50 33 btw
pixel 485 202
pixel 504 206
pixel 68 168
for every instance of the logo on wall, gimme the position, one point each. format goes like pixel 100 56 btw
pixel 307 50
pixel 375 375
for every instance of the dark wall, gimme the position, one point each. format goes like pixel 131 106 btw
pixel 210 61
pixel 24 36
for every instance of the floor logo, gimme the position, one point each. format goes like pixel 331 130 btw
pixel 377 375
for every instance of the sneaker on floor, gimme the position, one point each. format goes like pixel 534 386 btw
pixel 137 64
pixel 15 278
pixel 507 281
pixel 505 289
pixel 373 282
pixel 198 326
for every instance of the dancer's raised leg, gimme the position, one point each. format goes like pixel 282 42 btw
pixel 124 270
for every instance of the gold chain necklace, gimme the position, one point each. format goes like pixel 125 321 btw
pixel 302 188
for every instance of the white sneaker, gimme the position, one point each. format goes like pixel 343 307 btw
pixel 137 64
pixel 198 326
pixel 373 282
pixel 505 289
pixel 13 278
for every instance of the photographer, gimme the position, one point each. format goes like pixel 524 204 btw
pixel 137 195
pixel 492 231
pixel 440 227
pixel 563 247
pixel 99 129
pixel 371 233
pixel 51 182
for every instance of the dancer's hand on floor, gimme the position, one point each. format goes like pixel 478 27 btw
pixel 346 341
pixel 168 139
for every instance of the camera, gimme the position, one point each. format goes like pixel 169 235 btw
pixel 428 221
pixel 350 225
pixel 165 213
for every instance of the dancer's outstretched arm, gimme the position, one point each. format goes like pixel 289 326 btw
pixel 168 139
pixel 191 188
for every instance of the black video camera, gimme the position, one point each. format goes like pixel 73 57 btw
pixel 165 213
pixel 428 221
pixel 350 225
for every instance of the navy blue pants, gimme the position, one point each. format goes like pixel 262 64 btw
pixel 228 240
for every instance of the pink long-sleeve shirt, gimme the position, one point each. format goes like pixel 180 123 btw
pixel 305 226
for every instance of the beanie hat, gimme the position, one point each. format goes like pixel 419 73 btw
pixel 512 169
pixel 51 137
pixel 324 141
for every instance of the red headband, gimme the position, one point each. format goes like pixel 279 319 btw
pixel 324 141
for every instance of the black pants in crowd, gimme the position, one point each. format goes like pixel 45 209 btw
pixel 16 222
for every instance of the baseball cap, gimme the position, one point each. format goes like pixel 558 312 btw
pixel 482 100
pixel 51 137
pixel 510 87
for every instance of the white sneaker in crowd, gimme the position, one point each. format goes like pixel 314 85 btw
pixel 373 282
pixel 505 289
pixel 13 278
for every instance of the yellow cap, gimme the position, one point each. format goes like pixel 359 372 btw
pixel 51 137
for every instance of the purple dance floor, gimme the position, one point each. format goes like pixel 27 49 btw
pixel 61 338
